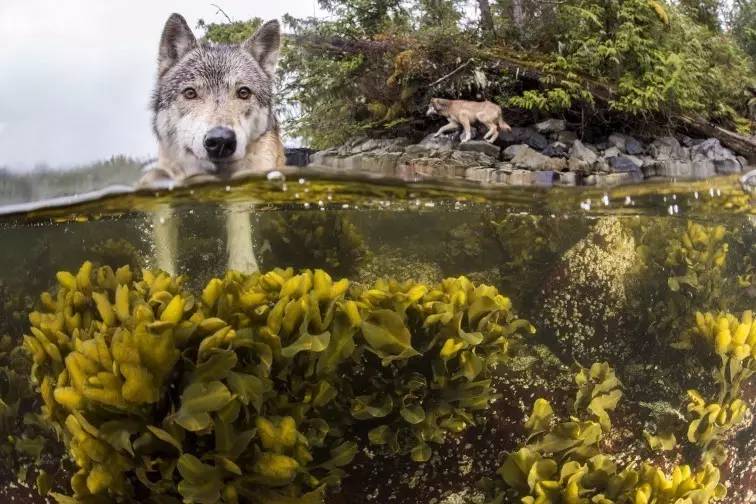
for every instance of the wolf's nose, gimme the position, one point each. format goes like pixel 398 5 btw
pixel 220 143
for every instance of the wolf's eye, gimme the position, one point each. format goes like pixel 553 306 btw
pixel 244 93
pixel 189 93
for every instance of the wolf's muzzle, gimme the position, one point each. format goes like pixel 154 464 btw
pixel 220 143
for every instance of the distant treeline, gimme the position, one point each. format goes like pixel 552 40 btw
pixel 43 182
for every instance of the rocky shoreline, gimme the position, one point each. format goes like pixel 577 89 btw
pixel 544 154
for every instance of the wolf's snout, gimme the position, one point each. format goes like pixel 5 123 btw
pixel 220 143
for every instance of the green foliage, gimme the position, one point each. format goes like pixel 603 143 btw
pixel 704 12
pixel 369 65
pixel 657 60
pixel 598 392
pixel 234 32
pixel 253 390
pixel 744 27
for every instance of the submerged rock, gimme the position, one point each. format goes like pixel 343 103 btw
pixel 586 300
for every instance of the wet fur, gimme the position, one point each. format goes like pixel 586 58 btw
pixel 463 114
pixel 216 72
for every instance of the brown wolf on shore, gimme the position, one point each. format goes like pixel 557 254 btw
pixel 465 113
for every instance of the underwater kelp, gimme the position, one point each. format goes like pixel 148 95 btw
pixel 565 462
pixel 733 340
pixel 311 239
pixel 691 263
pixel 253 390
pixel 22 438
pixel 458 331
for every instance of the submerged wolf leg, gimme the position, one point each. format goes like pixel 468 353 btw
pixel 453 125
pixel 241 256
pixel 165 233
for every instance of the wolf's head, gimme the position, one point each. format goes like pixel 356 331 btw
pixel 212 101
pixel 436 106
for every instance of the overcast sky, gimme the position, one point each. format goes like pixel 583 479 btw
pixel 76 75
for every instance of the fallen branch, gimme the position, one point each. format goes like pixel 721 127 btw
pixel 450 74
pixel 741 144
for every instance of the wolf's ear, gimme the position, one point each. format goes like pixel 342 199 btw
pixel 265 46
pixel 177 40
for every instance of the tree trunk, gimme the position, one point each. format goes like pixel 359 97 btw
pixel 486 18
pixel 517 15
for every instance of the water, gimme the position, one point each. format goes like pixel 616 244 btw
pixel 601 276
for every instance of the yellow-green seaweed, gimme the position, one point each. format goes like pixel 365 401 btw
pixel 252 391
pixel 564 463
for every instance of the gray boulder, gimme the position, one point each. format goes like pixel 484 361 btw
pixel 528 136
pixel 361 145
pixel 537 141
pixel 472 158
pixel 556 149
pixel 724 159
pixel 520 178
pixel 443 142
pixel 481 146
pixel 529 159
pixel 634 147
pixel 626 143
pixel 545 178
pixel 615 179
pixel 483 175
pixel 666 148
pixel 568 179
pixel 611 152
pixel 511 151
pixel 581 157
pixel 728 166
pixel 324 157
pixel 566 137
pixel 625 163
pixel 702 168
pixel 551 126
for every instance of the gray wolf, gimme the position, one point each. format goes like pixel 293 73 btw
pixel 213 118
pixel 463 113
